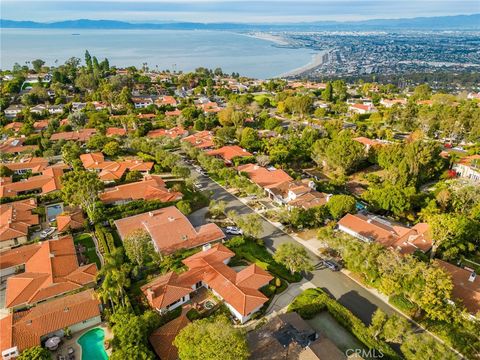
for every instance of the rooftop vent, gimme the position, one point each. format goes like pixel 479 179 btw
pixel 171 218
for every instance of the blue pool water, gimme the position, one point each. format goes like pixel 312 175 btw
pixel 92 345
pixel 53 211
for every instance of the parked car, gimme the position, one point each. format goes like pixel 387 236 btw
pixel 198 186
pixel 47 232
pixel 331 265
pixel 233 230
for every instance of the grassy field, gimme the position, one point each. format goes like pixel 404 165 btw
pixel 87 241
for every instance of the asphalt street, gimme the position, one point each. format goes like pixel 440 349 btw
pixel 346 291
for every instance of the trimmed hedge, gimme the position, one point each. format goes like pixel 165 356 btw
pixel 404 305
pixel 313 301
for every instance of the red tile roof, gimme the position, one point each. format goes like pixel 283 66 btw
pixel 112 170
pixel 467 291
pixel 16 218
pixel 162 338
pixel 166 100
pixel 14 146
pixel 227 153
pixel 173 133
pixel 24 329
pixel 240 290
pixel 201 139
pixel 112 131
pixel 175 112
pixel 152 187
pixel 70 220
pixel 35 164
pixel 170 229
pixel 49 181
pixel 263 177
pixel 52 271
pixel 82 135
pixel 40 125
pixel 15 126
pixel 366 141
pixel 405 240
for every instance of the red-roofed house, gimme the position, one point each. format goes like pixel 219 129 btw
pixel 112 131
pixel 152 187
pixel 16 218
pixel 25 329
pixel 70 220
pixel 390 103
pixel 166 100
pixel 201 139
pixel 109 171
pixel 266 178
pixel 175 112
pixel 82 135
pixel 469 168
pixel 466 286
pixel 49 181
pixel 33 164
pixel 14 126
pixel 15 146
pixel 229 152
pixel 51 271
pixel 370 228
pixel 170 230
pixel 368 143
pixel 172 133
pixel 362 108
pixel 238 290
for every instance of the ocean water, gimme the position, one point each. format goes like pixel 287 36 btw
pixel 168 49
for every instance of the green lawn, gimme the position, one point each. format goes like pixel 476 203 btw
pixel 87 241
pixel 255 253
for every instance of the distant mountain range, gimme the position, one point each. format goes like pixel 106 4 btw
pixel 458 22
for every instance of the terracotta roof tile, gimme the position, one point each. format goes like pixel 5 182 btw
pixel 16 218
pixel 152 187
pixel 227 153
pixel 24 329
pixel 52 270
pixel 170 229
pixel 264 177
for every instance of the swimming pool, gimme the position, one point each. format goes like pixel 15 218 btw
pixel 53 210
pixel 92 345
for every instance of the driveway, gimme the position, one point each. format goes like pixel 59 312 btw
pixel 346 291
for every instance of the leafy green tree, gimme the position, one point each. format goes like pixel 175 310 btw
pixel 394 198
pixel 115 273
pixel 217 208
pixel 97 142
pixel 77 119
pixel 424 347
pixel 181 171
pixel 184 207
pixel 112 148
pixel 35 353
pixel 339 205
pixel 5 171
pixel 71 152
pixel 327 93
pixel 81 188
pixel 251 224
pixel 396 329
pixel 137 352
pixel 134 175
pixel 138 246
pixel 213 340
pixel 294 257
pixel 37 65
pixel 379 319
pixel 453 234
pixel 249 139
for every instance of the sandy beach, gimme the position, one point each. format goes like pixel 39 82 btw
pixel 317 60
pixel 277 39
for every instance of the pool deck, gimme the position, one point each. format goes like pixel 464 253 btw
pixel 73 342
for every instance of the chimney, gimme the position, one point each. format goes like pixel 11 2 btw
pixel 171 218
pixel 369 221
pixel 150 213
pixel 206 247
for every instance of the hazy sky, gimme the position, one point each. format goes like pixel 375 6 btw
pixel 232 10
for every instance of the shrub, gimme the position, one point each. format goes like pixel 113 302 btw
pixel 403 304
pixel 193 314
pixel 312 301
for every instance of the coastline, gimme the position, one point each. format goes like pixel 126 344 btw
pixel 277 39
pixel 317 60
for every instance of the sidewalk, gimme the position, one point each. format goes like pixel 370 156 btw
pixel 281 301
